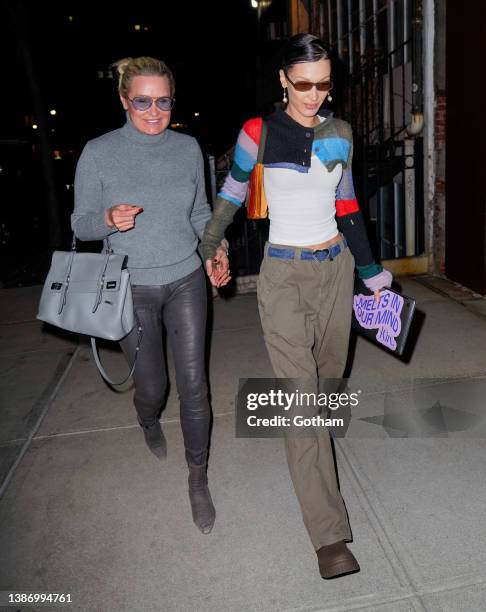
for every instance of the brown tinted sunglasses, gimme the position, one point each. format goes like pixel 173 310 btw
pixel 307 85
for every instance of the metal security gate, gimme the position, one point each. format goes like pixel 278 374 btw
pixel 379 90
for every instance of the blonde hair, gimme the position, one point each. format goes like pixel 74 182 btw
pixel 130 67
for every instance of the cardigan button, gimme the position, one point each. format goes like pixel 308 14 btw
pixel 307 134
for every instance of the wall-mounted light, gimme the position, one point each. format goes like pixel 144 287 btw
pixel 35 126
pixel 53 112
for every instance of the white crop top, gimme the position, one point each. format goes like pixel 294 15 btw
pixel 302 206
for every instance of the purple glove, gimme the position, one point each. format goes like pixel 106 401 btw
pixel 379 281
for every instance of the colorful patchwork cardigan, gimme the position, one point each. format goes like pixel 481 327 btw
pixel 291 145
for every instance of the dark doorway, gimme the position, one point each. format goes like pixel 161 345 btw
pixel 466 145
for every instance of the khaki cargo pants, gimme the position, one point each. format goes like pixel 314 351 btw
pixel 305 309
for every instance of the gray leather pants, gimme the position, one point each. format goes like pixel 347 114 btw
pixel 181 307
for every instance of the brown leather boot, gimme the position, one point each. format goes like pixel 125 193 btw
pixel 335 560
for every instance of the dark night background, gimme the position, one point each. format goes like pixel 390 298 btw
pixel 63 50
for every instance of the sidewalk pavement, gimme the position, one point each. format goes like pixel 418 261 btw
pixel 87 510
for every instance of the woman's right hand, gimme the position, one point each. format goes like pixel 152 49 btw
pixel 122 216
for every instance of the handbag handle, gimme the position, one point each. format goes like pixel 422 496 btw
pixel 102 369
pixel 101 281
pixel 108 249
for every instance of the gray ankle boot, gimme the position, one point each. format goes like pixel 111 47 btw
pixel 203 511
pixel 155 439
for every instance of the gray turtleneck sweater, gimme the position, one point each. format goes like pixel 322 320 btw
pixel 164 174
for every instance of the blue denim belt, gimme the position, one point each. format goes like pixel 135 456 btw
pixel 321 254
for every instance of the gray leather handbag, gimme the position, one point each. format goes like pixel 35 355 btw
pixel 90 293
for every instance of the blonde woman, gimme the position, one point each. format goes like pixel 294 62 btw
pixel 142 186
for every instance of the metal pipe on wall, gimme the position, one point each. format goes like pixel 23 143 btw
pixel 340 29
pixel 376 39
pixel 417 58
pixel 429 112
pixel 391 32
pixel 362 28
pixel 350 37
pixel 329 23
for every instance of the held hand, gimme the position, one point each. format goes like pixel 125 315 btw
pixel 222 264
pixel 218 270
pixel 218 267
pixel 122 216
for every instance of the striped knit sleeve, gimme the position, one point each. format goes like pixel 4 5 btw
pixel 235 186
pixel 351 223
pixel 245 156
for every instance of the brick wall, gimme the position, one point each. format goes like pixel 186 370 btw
pixel 440 119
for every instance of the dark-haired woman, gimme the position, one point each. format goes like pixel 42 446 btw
pixel 142 186
pixel 305 287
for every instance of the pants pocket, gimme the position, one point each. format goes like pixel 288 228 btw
pixel 272 273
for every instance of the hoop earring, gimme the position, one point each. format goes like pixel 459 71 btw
pixel 285 100
pixel 329 97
